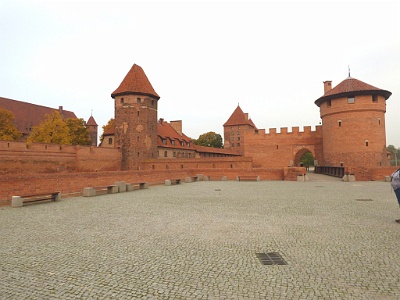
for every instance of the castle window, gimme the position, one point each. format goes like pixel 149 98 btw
pixel 109 141
pixel 165 154
pixel 138 113
pixel 138 100
pixel 138 154
pixel 238 138
pixel 164 141
pixel 232 133
pixel 188 144
pixel 173 142
pixel 233 145
pixel 190 155
pixel 340 123
pixel 122 100
pixel 238 144
pixel 138 139
pixel 183 154
pixel 328 103
pixel 182 144
pixel 152 102
pixel 174 154
pixel 238 132
pixel 350 99
pixel 366 143
pixel 374 98
pixel 379 121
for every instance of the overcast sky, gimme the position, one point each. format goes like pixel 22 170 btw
pixel 202 58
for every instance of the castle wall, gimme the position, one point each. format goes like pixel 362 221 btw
pixel 274 149
pixel 20 158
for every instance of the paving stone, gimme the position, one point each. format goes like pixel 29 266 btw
pixel 199 241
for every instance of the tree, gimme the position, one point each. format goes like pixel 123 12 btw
pixel 394 155
pixel 52 130
pixel 108 126
pixel 78 131
pixel 209 139
pixel 307 159
pixel 8 131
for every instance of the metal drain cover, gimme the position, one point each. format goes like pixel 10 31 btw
pixel 271 258
pixel 364 200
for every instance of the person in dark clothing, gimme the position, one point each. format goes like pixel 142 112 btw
pixel 395 182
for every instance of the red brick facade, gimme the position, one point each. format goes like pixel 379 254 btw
pixel 352 134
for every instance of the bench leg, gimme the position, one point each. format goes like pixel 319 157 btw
pixel 89 192
pixel 17 201
pixel 57 197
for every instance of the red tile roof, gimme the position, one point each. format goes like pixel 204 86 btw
pixel 170 135
pixel 28 115
pixel 135 82
pixel 91 122
pixel 203 149
pixel 238 117
pixel 352 86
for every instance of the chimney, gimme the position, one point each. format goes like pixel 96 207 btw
pixel 246 116
pixel 60 110
pixel 161 121
pixel 327 86
pixel 177 125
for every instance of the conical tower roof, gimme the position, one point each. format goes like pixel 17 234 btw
pixel 91 122
pixel 352 87
pixel 238 117
pixel 135 82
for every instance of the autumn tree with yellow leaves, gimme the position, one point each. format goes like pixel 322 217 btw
pixel 8 131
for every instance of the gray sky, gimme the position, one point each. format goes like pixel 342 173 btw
pixel 202 58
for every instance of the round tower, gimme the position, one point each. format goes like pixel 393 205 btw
pixel 353 124
pixel 135 118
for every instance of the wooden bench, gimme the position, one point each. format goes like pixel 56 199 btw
pixel 248 178
pixel 18 201
pixel 173 181
pixel 99 190
pixel 137 186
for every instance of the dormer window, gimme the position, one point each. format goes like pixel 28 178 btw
pixel 350 99
pixel 188 144
pixel 164 141
pixel 182 144
pixel 173 142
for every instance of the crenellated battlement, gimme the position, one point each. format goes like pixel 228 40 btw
pixel 272 132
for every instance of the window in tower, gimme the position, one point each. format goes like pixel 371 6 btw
pixel 350 99
pixel 139 100
pixel 122 100
pixel 328 103
pixel 374 98
pixel 109 141
pixel 340 123
pixel 379 121
pixel 165 154
pixel 152 102
pixel 366 143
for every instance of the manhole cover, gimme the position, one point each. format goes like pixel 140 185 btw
pixel 271 258
pixel 364 200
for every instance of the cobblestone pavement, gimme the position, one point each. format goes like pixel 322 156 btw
pixel 199 241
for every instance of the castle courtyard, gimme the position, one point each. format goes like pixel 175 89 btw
pixel 199 240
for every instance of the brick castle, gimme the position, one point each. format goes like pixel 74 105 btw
pixel 143 147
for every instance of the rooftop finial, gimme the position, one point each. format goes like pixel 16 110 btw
pixel 91 112
pixel 349 70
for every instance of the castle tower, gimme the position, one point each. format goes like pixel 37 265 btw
pixel 135 118
pixel 353 124
pixel 234 129
pixel 92 127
